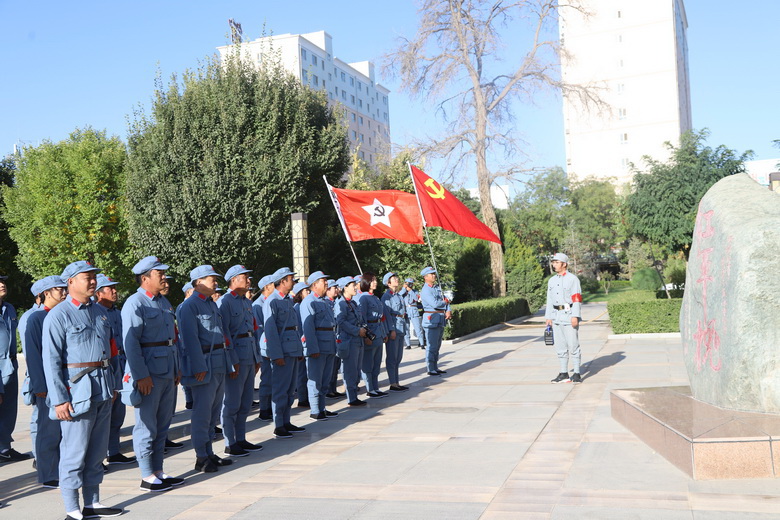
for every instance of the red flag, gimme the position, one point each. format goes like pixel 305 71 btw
pixel 442 209
pixel 378 214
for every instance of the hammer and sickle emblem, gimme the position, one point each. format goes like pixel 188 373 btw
pixel 379 211
pixel 438 191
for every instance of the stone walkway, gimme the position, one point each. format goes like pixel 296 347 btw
pixel 492 439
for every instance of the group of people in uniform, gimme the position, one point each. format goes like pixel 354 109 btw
pixel 87 360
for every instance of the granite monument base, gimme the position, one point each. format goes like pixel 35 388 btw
pixel 704 441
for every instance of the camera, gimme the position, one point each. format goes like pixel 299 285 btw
pixel 369 335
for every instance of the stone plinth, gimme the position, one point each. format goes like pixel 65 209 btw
pixel 704 441
pixel 730 316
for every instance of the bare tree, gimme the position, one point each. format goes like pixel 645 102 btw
pixel 453 60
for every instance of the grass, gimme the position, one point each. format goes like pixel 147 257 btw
pixel 618 295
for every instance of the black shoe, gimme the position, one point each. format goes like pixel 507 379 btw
pixel 151 486
pixel 434 374
pixel 281 433
pixel 265 415
pixel 304 404
pixel 248 446
pixel 173 444
pixel 563 377
pixel 255 404
pixel 319 416
pixel 35 464
pixel 357 402
pixel 294 429
pixel 381 393
pixel 120 459
pixel 332 395
pixel 576 377
pixel 398 388
pixel 217 430
pixel 408 348
pixel 205 465
pixel 188 405
pixel 105 468
pixel 11 455
pixel 236 451
pixel 441 371
pixel 375 395
pixel 51 484
pixel 422 347
pixel 101 512
pixel 328 413
pixel 219 461
pixel 173 481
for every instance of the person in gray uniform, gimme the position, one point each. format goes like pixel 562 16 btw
pixel 9 382
pixel 46 442
pixel 281 343
pixel 319 344
pixel 395 309
pixel 266 287
pixel 149 333
pixel 208 359
pixel 564 299
pixel 241 328
pixel 106 295
pixel 27 395
pixel 80 384
pixel 350 337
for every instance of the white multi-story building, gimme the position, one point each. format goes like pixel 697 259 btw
pixel 636 54
pixel 309 57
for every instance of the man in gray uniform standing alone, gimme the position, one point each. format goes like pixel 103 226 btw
pixel 564 299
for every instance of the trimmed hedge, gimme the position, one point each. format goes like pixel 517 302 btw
pixel 647 316
pixel 472 316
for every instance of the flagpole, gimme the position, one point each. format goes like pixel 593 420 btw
pixel 341 220
pixel 425 224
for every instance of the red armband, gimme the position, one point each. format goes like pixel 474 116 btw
pixel 576 298
pixel 114 348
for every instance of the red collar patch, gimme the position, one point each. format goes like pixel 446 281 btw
pixel 202 297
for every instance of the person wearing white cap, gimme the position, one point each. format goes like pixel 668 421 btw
pixel 46 442
pixel 149 333
pixel 564 299
pixel 77 347
pixel 208 359
pixel 241 328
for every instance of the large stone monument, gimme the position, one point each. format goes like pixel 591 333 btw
pixel 730 317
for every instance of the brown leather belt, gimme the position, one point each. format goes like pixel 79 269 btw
pixel 244 335
pixel 207 348
pixel 435 312
pixel 89 364
pixel 167 343
pixel 559 307
pixel 291 328
pixel 373 321
pixel 323 328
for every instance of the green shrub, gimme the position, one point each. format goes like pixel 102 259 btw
pixel 646 280
pixel 619 284
pixel 589 285
pixel 674 293
pixel 648 316
pixel 472 316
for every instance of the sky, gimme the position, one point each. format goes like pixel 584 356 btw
pixel 72 64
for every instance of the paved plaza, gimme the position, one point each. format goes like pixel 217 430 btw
pixel 491 439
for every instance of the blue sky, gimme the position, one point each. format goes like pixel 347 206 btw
pixel 72 64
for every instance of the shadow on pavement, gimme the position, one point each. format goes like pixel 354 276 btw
pixel 594 366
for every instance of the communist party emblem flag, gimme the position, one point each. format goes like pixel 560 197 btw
pixel 378 214
pixel 442 209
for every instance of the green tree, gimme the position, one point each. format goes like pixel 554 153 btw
pixel 17 282
pixel 223 159
pixel 524 275
pixel 595 212
pixel 66 204
pixel 666 196
pixel 538 214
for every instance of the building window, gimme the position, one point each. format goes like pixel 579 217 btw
pixel 315 80
pixel 303 54
pixel 330 95
pixel 361 138
pixel 621 88
pixel 360 86
pixel 368 107
pixel 620 38
pixel 363 155
pixel 354 134
pixel 343 77
pixel 337 90
pixel 369 141
pixel 360 103
pixel 384 99
pixel 351 81
pixel 353 99
pixel 620 15
pixel 624 163
pixel 361 120
pixel 305 75
pixel 323 64
pixel 344 95
pixel 353 115
pixel 323 82
pixel 369 125
pixel 623 138
pixel 313 59
pixel 621 113
pixel 330 76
